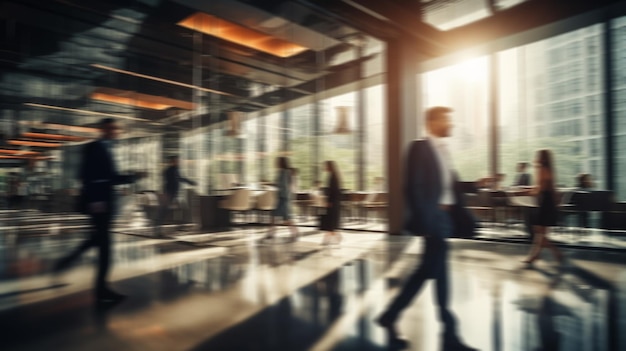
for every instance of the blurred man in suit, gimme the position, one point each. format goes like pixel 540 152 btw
pixel 171 186
pixel 435 210
pixel 99 176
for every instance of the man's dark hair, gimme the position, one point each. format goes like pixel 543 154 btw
pixel 436 112
pixel 172 158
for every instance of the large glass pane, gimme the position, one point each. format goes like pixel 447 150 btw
pixel 301 144
pixel 193 162
pixel 550 96
pixel 374 139
pixel 463 87
pixel 272 126
pixel 250 134
pixel 618 27
pixel 338 141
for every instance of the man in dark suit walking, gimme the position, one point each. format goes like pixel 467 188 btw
pixel 99 176
pixel 435 209
pixel 171 186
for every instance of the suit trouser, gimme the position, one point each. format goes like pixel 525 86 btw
pixel 101 238
pixel 434 265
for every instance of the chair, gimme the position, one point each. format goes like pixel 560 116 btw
pixel 615 218
pixel 266 201
pixel 474 203
pixel 302 202
pixel 356 199
pixel 237 201
pixel 317 203
pixel 377 202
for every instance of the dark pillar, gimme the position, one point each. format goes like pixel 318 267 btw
pixel 403 99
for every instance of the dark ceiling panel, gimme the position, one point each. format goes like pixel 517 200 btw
pixel 49 48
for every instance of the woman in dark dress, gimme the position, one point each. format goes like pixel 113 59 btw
pixel 329 222
pixel 547 210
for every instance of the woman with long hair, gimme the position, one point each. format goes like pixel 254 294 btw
pixel 547 210
pixel 283 207
pixel 329 222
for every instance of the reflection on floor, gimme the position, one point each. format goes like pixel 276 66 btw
pixel 226 291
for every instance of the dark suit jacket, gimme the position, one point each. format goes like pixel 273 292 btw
pixel 523 179
pixel 172 179
pixel 423 191
pixel 98 176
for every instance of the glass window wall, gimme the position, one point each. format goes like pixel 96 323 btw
pixel 464 88
pixel 550 97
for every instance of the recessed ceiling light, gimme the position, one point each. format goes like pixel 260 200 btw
pixel 57 137
pixel 75 110
pixel 241 35
pixel 32 143
pixel 131 98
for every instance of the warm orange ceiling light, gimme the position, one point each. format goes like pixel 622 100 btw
pixel 132 98
pixel 64 127
pixel 75 110
pixel 32 143
pixel 128 101
pixel 15 157
pixel 235 33
pixel 18 152
pixel 58 137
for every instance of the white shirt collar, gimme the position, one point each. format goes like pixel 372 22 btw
pixel 437 140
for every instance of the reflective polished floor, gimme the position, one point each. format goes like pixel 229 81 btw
pixel 226 291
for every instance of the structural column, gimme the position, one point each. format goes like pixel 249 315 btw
pixel 403 121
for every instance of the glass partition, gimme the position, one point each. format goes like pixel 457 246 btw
pixel 464 88
pixel 550 96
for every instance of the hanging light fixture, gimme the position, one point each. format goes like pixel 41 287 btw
pixel 234 124
pixel 343 113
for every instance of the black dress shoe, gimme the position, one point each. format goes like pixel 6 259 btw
pixel 108 295
pixel 394 340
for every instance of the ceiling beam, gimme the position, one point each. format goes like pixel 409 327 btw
pixel 517 19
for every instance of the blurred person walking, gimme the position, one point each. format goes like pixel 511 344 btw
pixel 547 213
pixel 435 210
pixel 99 177
pixel 329 221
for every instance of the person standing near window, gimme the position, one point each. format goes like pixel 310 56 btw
pixel 329 221
pixel 171 186
pixel 547 211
